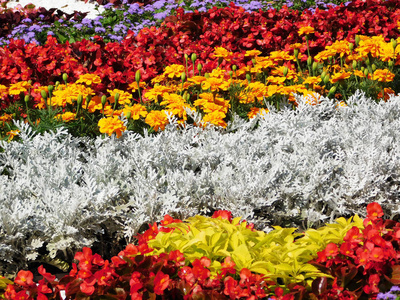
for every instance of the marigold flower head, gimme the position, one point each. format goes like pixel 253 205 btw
pixel 223 53
pixel 339 76
pixel 254 111
pixel 174 70
pixel 312 80
pixel 197 79
pixel 112 125
pixel 215 118
pixel 306 30
pixel 11 134
pixel 3 90
pixel 158 79
pixel 387 92
pixel 134 86
pixel 252 53
pixel 281 55
pixel 382 75
pixel 157 119
pixel 89 79
pixel 136 111
pixel 124 97
pixel 6 118
pixel 17 88
pixel 67 116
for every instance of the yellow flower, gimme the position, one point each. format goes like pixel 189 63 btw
pixel 291 74
pixel 157 119
pixel 3 90
pixel 17 88
pixel 312 98
pixel 5 118
pixel 112 125
pixel 387 93
pixel 296 46
pixel 197 79
pixel 312 80
pixel 68 94
pixel 89 79
pixel 254 111
pixel 280 55
pixel 341 104
pixel 306 30
pixel 218 73
pixel 382 75
pixel 215 118
pixel 124 97
pixel 215 84
pixel 134 87
pixel 339 76
pixel 175 104
pixel 324 55
pixel 341 47
pixel 154 93
pixel 255 90
pixel 222 52
pixel 11 134
pixel 174 70
pixel 359 73
pixel 276 80
pixel 137 111
pixel 252 53
pixel 158 79
pixel 68 116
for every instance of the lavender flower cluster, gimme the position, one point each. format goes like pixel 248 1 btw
pixel 393 294
pixel 131 17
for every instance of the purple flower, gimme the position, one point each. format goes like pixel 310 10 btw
pixel 50 32
pixel 386 296
pixel 99 29
pixel 108 5
pixel 27 20
pixel 159 4
pixel 161 15
pixel 78 26
pixel 35 28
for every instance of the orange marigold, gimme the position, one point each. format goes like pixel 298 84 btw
pixel 382 75
pixel 306 30
pixel 157 119
pixel 112 125
pixel 174 70
pixel 339 76
pixel 137 111
pixel 89 79
pixel 17 88
pixel 215 118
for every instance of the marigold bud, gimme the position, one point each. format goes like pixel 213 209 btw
pixel 314 66
pixel 199 67
pixel 103 100
pixel 373 67
pixel 128 115
pixel 354 64
pixel 230 74
pixel 296 53
pixel 65 77
pixel 332 91
pixel 390 63
pixel 26 99
pixel 44 94
pixel 207 75
pixel 193 57
pixel 323 74
pixel 366 72
pixel 234 68
pixel 285 71
pixel 309 61
pixel 351 46
pixel 79 100
pixel 137 76
pixel 357 40
pixel 116 97
pixel 326 79
pixel 183 77
pixel 394 43
pixel 248 77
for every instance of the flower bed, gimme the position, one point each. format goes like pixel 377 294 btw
pixel 285 118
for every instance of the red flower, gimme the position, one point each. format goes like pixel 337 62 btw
pixel 161 282
pixel 49 277
pixel 223 214
pixel 84 258
pixel 331 250
pixel 22 295
pixel 374 211
pixel 24 278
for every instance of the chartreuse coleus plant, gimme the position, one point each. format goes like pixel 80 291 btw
pixel 3 285
pixel 281 254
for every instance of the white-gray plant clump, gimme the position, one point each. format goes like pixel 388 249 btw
pixel 59 193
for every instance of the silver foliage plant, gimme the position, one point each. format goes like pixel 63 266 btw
pixel 298 168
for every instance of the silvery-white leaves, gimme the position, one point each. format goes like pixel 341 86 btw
pixel 318 162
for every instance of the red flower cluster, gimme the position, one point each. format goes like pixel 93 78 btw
pixel 367 262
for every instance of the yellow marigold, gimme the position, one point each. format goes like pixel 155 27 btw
pixel 296 46
pixel 158 79
pixel 217 73
pixel 89 79
pixel 174 70
pixel 252 53
pixel 112 125
pixel 387 92
pixel 254 111
pixel 276 80
pixel 68 116
pixel 175 104
pixel 17 88
pixel 6 118
pixel 68 94
pixel 341 47
pixel 324 55
pixel 312 80
pixel 157 119
pixel 124 97
pixel 341 104
pixel 3 90
pixel 254 90
pixel 134 87
pixel 154 93
pixel 359 73
pixel 222 52
pixel 370 45
pixel 278 71
pixel 339 76
pixel 382 75
pixel 197 79
pixel 280 55
pixel 306 30
pixel 137 111
pixel 215 118
pixel 215 84
pixel 13 133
